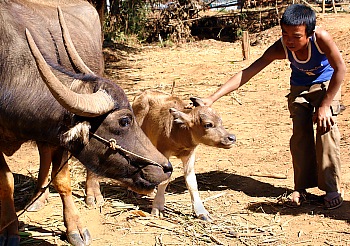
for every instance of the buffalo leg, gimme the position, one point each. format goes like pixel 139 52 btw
pixel 93 194
pixel 9 220
pixel 76 233
pixel 45 153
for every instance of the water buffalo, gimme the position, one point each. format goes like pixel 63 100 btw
pixel 48 95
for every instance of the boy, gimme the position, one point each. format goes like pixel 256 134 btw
pixel 317 74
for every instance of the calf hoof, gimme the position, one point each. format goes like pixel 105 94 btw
pixel 158 212
pixel 36 206
pixel 39 203
pixel 76 239
pixel 10 240
pixel 205 217
pixel 94 202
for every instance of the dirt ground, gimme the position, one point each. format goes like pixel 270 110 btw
pixel 242 187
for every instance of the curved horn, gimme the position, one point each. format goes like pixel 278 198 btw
pixel 68 43
pixel 88 105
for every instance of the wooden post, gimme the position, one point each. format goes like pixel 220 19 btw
pixel 334 8
pixel 306 3
pixel 323 6
pixel 245 45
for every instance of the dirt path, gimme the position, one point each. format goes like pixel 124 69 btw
pixel 241 187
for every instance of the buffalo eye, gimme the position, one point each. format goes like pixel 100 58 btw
pixel 125 121
pixel 208 125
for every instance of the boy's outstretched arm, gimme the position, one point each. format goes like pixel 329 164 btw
pixel 323 116
pixel 274 52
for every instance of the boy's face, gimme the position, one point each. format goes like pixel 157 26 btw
pixel 294 37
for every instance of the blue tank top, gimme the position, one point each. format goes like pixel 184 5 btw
pixel 314 70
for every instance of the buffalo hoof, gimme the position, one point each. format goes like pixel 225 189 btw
pixel 76 239
pixel 205 217
pixel 94 202
pixel 10 240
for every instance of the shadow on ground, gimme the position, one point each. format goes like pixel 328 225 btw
pixel 24 187
pixel 220 181
pixel 213 181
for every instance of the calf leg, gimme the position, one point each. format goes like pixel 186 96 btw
pixel 76 233
pixel 93 193
pixel 191 183
pixel 9 220
pixel 45 153
pixel 159 199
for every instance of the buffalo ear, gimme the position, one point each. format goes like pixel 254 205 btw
pixel 79 132
pixel 197 101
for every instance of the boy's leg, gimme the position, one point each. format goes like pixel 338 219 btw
pixel 328 157
pixel 302 142
pixel 328 146
pixel 328 154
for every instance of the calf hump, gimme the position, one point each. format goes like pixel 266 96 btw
pixel 154 100
pixel 152 107
pixel 140 107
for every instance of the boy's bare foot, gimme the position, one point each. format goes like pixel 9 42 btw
pixel 296 198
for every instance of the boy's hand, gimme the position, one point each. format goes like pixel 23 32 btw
pixel 323 119
pixel 207 101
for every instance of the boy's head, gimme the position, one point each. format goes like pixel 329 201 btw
pixel 299 14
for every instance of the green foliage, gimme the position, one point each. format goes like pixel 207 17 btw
pixel 239 32
pixel 126 18
pixel 150 21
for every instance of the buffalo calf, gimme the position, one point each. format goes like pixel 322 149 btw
pixel 177 131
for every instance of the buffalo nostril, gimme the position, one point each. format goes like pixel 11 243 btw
pixel 232 138
pixel 168 168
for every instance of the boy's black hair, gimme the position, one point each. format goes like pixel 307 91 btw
pixel 300 14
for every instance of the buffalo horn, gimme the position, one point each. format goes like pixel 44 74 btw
pixel 68 43
pixel 87 105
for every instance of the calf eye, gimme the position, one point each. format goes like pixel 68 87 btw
pixel 208 125
pixel 125 121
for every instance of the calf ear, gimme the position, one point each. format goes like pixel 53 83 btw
pixel 197 101
pixel 180 117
